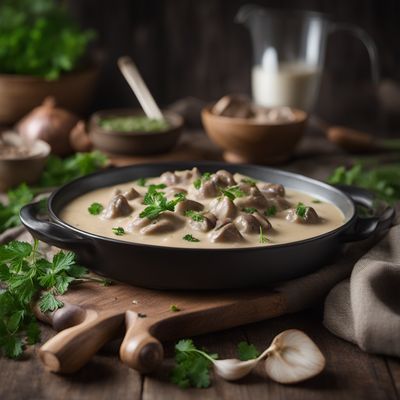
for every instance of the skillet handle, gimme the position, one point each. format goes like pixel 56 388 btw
pixel 364 228
pixel 50 232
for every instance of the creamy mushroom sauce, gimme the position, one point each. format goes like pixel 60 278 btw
pixel 170 227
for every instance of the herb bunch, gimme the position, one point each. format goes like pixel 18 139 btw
pixel 25 277
pixel 39 38
pixel 384 180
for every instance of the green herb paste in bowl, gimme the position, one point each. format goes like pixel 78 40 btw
pixel 132 123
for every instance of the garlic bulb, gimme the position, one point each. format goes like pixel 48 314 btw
pixel 51 124
pixel 293 357
pixel 233 369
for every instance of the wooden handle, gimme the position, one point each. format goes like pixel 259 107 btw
pixel 140 350
pixel 70 349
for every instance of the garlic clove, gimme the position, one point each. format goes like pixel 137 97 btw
pixel 233 369
pixel 293 357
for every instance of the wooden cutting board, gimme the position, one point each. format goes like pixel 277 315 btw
pixel 94 314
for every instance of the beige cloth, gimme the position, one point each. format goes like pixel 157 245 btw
pixel 365 309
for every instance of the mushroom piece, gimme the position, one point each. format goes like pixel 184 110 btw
pixel 223 208
pixel 137 223
pixel 207 190
pixel 253 199
pixel 227 233
pixel 131 194
pixel 251 223
pixel 186 205
pixel 118 207
pixel 280 203
pixel 309 216
pixel 173 178
pixel 272 189
pixel 209 221
pixel 223 179
pixel 166 222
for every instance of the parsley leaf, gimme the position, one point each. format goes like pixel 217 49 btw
pixel 141 182
pixel 190 238
pixel 95 208
pixel 48 302
pixel 249 210
pixel 301 210
pixel 59 171
pixel 233 192
pixel 174 308
pixel 270 211
pixel 119 231
pixel 194 215
pixel 247 351
pixel 198 182
pixel 192 366
pixel 157 203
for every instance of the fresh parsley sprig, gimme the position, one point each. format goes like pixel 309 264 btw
pixel 262 237
pixel 157 203
pixel 95 208
pixel 301 210
pixel 192 366
pixel 271 211
pixel 26 277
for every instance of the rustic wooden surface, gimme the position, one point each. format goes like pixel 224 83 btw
pixel 350 374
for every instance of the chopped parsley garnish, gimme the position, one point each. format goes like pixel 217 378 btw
pixel 157 186
pixel 249 181
pixel 95 208
pixel 190 238
pixel 192 366
pixel 174 308
pixel 247 351
pixel 194 215
pixel 316 201
pixel 119 231
pixel 157 203
pixel 233 192
pixel 205 177
pixel 249 210
pixel 263 238
pixel 141 182
pixel 270 211
pixel 301 210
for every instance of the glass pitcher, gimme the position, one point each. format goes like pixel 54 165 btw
pixel 289 49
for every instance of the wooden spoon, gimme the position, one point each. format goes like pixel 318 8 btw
pixel 137 84
pixel 360 142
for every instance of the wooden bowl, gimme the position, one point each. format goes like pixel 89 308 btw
pixel 19 94
pixel 134 143
pixel 14 171
pixel 249 141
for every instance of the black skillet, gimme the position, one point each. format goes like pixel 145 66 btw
pixel 182 268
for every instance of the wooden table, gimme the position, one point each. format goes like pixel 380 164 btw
pixel 350 373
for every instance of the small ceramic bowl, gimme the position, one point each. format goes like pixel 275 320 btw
pixel 134 143
pixel 28 169
pixel 251 141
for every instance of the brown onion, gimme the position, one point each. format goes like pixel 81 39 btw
pixel 51 124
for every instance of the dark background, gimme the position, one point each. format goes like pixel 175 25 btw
pixel 194 48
